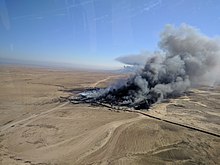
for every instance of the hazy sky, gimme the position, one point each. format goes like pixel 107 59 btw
pixel 95 32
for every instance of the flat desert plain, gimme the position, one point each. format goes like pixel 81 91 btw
pixel 36 128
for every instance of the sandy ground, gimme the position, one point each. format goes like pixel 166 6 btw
pixel 35 128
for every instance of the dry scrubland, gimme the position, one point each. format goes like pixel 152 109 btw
pixel 37 129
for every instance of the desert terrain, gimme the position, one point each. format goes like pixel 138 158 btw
pixel 37 128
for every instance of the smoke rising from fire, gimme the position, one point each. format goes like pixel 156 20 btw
pixel 134 59
pixel 187 58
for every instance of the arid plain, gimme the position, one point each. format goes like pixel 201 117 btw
pixel 36 128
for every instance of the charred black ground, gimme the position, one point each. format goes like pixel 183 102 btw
pixel 122 96
pixel 186 58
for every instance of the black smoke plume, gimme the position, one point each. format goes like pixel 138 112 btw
pixel 187 58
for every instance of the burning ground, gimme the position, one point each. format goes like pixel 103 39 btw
pixel 186 58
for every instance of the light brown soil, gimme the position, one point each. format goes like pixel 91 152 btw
pixel 35 128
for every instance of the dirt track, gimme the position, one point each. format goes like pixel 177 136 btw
pixel 37 129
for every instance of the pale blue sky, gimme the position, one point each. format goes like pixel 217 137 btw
pixel 95 32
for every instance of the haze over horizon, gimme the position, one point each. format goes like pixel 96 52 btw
pixel 94 32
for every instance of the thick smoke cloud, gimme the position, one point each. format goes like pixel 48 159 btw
pixel 187 58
